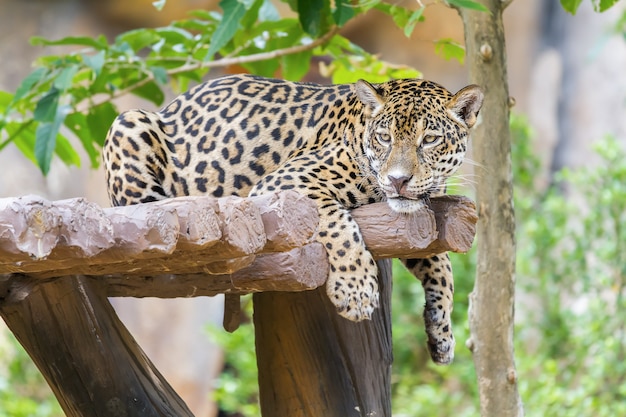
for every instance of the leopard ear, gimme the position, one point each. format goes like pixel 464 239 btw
pixel 466 104
pixel 370 96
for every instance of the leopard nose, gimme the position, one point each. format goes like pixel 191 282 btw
pixel 399 183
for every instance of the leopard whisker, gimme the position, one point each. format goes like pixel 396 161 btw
pixel 469 161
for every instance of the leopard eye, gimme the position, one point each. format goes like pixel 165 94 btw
pixel 383 138
pixel 431 140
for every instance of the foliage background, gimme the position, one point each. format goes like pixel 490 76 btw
pixel 571 267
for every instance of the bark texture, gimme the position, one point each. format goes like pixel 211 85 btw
pixel 492 300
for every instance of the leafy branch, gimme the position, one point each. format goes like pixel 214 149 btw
pixel 223 62
pixel 73 94
pixel 572 6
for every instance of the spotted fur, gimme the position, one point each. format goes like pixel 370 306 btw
pixel 341 145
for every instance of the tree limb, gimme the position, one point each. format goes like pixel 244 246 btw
pixel 224 62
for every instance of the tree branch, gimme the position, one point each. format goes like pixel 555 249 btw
pixel 506 3
pixel 224 62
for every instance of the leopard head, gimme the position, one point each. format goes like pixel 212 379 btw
pixel 415 136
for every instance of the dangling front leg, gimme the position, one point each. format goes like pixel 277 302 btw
pixel 435 273
pixel 352 284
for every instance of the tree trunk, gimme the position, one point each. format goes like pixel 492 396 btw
pixel 492 301
pixel 314 363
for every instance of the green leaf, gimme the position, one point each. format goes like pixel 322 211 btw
pixel 234 10
pixel 571 5
pixel 95 62
pixel 287 26
pixel 99 43
pixel 160 74
pixel 150 91
pixel 6 99
pixel 310 15
pixel 138 39
pixel 64 80
pixel 365 5
pixel 296 66
pixel 469 4
pixel 28 82
pixel 265 68
pixel 268 12
pixel 415 17
pixel 401 73
pixel 343 12
pixel 46 136
pixel 46 139
pixel 66 152
pixel 251 16
pixel 16 133
pixel 603 5
pixel 22 134
pixel 159 4
pixel 77 123
pixel 99 120
pixel 173 35
pixel 102 82
pixel 449 49
pixel 206 15
pixel 46 108
pixel 404 18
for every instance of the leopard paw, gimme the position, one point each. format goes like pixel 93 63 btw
pixel 441 341
pixel 355 296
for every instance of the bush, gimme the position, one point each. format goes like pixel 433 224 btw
pixel 572 265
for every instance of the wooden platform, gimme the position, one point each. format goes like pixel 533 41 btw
pixel 60 260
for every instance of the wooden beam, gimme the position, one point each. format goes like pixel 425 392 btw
pixel 300 269
pixel 205 246
pixel 42 238
pixel 446 224
pixel 313 362
pixel 90 360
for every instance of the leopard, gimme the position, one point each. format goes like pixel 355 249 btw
pixel 341 145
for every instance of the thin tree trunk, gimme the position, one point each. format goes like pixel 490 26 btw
pixel 492 301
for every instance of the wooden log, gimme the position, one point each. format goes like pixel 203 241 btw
pixel 456 219
pixel 447 223
pixel 300 269
pixel 91 362
pixel 178 248
pixel 183 235
pixel 288 218
pixel 193 222
pixel 314 363
pixel 31 228
pixel 232 312
pixel 386 233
